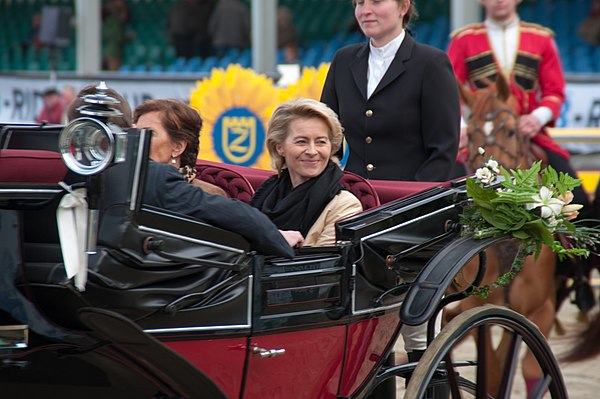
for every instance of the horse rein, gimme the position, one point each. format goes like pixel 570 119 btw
pixel 489 137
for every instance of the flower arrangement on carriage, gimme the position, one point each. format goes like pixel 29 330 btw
pixel 533 205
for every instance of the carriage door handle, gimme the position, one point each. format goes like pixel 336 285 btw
pixel 266 353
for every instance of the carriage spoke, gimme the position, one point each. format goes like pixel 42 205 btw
pixel 479 323
pixel 482 360
pixel 510 366
pixel 540 388
pixel 452 380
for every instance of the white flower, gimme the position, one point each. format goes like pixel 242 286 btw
pixel 571 211
pixel 550 206
pixel 481 150
pixel 493 165
pixel 484 175
pixel 552 222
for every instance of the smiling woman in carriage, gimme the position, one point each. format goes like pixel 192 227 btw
pixel 306 194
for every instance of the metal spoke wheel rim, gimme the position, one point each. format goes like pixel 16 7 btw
pixel 438 357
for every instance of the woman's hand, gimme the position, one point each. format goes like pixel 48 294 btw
pixel 294 238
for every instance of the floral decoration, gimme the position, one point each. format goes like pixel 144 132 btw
pixel 532 205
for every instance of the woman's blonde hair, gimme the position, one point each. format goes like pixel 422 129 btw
pixel 301 108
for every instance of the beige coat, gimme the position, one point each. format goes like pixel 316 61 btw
pixel 341 206
pixel 209 187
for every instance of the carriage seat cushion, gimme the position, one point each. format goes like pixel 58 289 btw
pixel 234 184
pixel 31 166
pixel 362 189
pixel 391 190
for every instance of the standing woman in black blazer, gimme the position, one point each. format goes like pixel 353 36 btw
pixel 397 99
pixel 399 105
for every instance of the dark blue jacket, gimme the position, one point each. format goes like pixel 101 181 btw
pixel 166 188
pixel 409 128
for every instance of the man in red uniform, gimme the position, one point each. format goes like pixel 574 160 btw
pixel 527 56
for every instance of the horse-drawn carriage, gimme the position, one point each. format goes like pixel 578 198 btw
pixel 175 308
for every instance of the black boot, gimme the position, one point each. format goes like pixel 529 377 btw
pixel 413 357
pixel 584 295
pixel 441 391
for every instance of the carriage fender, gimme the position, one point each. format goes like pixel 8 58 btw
pixel 426 292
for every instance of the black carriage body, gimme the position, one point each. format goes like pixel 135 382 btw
pixel 171 322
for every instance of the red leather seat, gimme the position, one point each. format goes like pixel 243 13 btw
pixel 363 190
pixel 234 184
pixel 31 166
pixel 390 190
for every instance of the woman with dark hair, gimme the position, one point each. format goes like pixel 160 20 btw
pixel 306 194
pixel 176 135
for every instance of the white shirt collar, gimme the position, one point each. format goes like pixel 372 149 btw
pixel 380 59
pixel 389 50
pixel 504 39
pixel 491 24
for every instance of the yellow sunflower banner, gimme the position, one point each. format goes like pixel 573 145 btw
pixel 235 105
pixel 309 85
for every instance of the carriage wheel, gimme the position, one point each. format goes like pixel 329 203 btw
pixel 469 377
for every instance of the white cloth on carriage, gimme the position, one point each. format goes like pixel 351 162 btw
pixel 71 217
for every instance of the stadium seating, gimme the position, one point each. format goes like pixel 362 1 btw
pixel 17 42
pixel 323 26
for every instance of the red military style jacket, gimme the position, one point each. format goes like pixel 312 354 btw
pixel 536 78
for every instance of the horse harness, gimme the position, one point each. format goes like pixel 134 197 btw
pixel 489 132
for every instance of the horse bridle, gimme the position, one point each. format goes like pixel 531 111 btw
pixel 489 139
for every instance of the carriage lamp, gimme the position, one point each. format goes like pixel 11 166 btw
pixel 88 145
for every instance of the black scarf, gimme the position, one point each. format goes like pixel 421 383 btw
pixel 297 208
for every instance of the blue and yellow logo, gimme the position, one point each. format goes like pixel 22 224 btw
pixel 235 105
pixel 239 137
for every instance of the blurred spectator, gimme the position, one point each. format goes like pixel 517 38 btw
pixel 589 29
pixel 187 27
pixel 202 39
pixel 68 95
pixel 33 36
pixel 287 35
pixel 115 17
pixel 180 27
pixel 229 26
pixel 53 108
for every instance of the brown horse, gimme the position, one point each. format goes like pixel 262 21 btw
pixel 587 343
pixel 493 126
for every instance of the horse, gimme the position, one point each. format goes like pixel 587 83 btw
pixel 493 126
pixel 587 343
